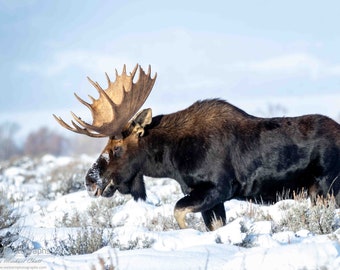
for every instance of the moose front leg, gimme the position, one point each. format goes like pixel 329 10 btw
pixel 200 201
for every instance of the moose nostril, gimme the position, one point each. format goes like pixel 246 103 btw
pixel 91 184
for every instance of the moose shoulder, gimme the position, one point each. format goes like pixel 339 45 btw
pixel 213 149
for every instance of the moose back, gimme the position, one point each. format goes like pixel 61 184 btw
pixel 213 149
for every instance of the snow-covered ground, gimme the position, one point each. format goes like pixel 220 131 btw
pixel 57 219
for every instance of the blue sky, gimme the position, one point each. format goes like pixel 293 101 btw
pixel 251 53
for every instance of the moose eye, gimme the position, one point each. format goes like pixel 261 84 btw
pixel 117 150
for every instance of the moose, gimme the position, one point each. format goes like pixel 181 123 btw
pixel 214 150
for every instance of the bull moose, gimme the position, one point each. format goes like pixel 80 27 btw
pixel 213 149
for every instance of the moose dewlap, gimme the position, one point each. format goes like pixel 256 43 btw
pixel 213 149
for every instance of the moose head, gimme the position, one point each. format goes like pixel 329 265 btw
pixel 114 116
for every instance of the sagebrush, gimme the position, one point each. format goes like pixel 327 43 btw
pixel 318 217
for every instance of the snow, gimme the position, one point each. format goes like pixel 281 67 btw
pixel 213 256
pixel 144 235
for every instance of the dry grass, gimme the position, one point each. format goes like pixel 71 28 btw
pixel 254 212
pixel 216 223
pixel 318 217
pixel 103 265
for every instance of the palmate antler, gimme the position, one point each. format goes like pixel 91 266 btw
pixel 115 106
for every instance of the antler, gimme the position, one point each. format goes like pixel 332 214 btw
pixel 115 106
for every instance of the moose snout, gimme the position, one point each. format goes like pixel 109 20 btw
pixel 96 183
pixel 93 182
pixel 91 186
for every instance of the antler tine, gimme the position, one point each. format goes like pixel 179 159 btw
pixel 81 122
pixel 62 123
pixel 83 101
pixel 133 73
pixel 100 90
pixel 95 84
pixel 108 80
pixel 92 98
pixel 149 70
pixel 78 129
pixel 86 126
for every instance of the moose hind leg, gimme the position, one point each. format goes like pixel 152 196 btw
pixel 206 201
pixel 180 214
pixel 214 217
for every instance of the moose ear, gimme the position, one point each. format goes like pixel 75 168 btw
pixel 141 120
